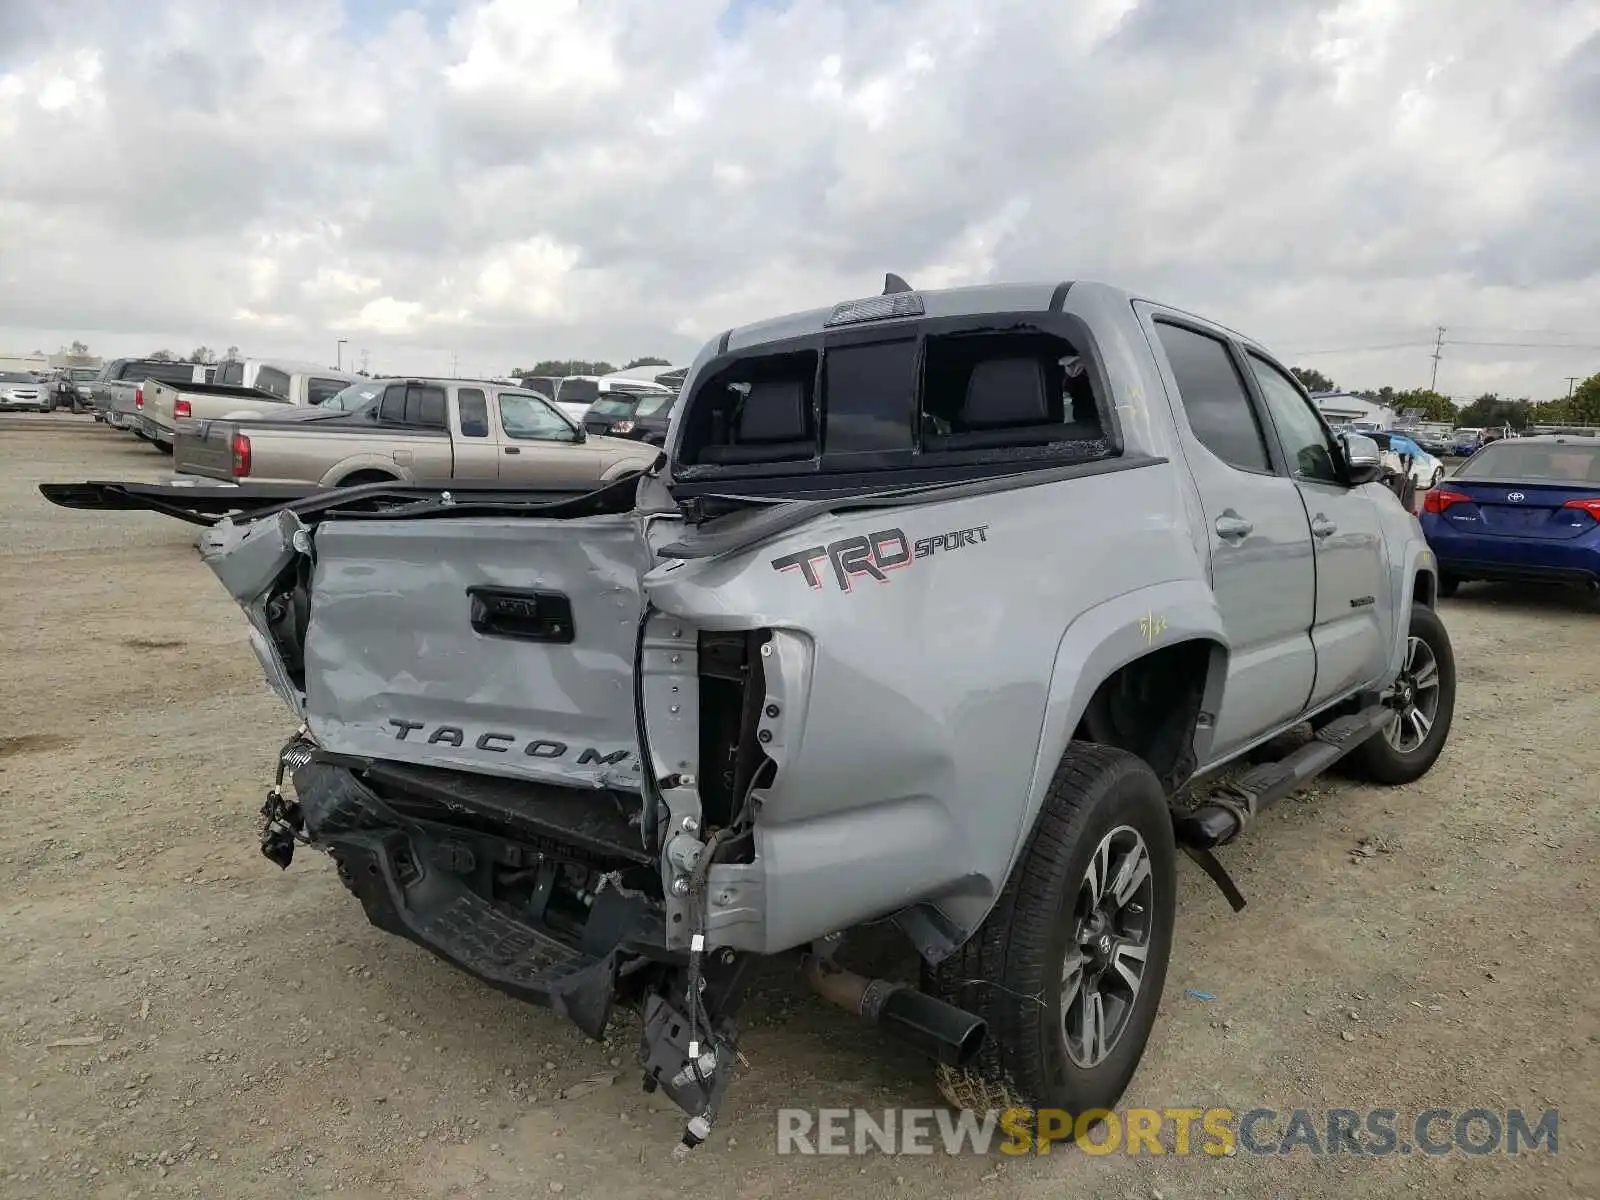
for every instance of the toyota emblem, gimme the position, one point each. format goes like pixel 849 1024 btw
pixel 1515 497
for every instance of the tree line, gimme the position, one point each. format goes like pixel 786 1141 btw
pixel 562 367
pixel 1488 410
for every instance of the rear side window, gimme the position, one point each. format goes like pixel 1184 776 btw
pixel 414 405
pixel 318 390
pixel 474 408
pixel 1214 397
pixel 270 379
pixel 231 372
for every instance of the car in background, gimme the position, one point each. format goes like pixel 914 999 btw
pixel 116 389
pixel 639 416
pixel 576 393
pixel 21 392
pixel 73 387
pixel 1466 442
pixel 1426 470
pixel 1521 509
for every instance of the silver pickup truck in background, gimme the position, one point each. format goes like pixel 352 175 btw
pixel 164 407
pixel 410 430
pixel 116 392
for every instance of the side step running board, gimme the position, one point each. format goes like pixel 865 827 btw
pixel 1224 814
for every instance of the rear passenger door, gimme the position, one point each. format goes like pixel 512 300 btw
pixel 477 452
pixel 419 411
pixel 1262 569
pixel 1351 556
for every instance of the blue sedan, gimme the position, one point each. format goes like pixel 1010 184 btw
pixel 1519 509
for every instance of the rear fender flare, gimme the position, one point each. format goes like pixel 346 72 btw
pixel 1099 642
pixel 346 467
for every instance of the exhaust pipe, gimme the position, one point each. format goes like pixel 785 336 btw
pixel 941 1031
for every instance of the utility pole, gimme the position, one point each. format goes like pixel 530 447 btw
pixel 338 354
pixel 1438 349
pixel 364 357
pixel 1571 383
pixel 455 366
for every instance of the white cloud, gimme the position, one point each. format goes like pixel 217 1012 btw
pixel 622 177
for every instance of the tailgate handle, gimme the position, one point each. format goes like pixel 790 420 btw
pixel 522 614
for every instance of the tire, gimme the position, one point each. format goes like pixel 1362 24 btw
pixel 1449 585
pixel 1098 796
pixel 1437 476
pixel 1394 756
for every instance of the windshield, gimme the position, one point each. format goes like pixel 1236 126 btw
pixel 15 377
pixel 1534 462
pixel 85 373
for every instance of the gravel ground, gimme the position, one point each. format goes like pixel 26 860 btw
pixel 178 1017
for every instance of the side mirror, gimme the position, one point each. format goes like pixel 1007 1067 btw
pixel 1362 461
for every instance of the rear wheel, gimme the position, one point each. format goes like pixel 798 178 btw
pixel 1422 700
pixel 1069 968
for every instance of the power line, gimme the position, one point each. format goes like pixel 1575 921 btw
pixel 1361 349
pixel 1446 342
pixel 1534 345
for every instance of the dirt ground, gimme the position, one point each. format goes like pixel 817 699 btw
pixel 179 1017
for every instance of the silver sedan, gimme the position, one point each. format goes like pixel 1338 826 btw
pixel 21 392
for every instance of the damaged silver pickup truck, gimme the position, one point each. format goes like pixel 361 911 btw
pixel 962 610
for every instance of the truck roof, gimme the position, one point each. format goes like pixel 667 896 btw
pixel 966 301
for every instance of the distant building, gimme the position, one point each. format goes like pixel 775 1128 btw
pixel 1342 407
pixel 47 362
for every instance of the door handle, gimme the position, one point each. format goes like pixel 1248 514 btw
pixel 513 449
pixel 1321 527
pixel 1232 525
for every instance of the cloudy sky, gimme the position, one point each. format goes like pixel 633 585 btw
pixel 487 184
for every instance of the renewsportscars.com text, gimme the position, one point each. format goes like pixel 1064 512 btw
pixel 1373 1132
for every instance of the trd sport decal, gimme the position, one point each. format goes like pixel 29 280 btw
pixel 874 555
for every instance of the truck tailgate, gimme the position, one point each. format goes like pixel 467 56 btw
pixel 204 448
pixel 159 400
pixel 498 645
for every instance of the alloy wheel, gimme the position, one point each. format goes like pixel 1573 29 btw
pixel 1104 968
pixel 1413 698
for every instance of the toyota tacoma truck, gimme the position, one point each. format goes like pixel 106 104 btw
pixel 410 430
pixel 962 611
